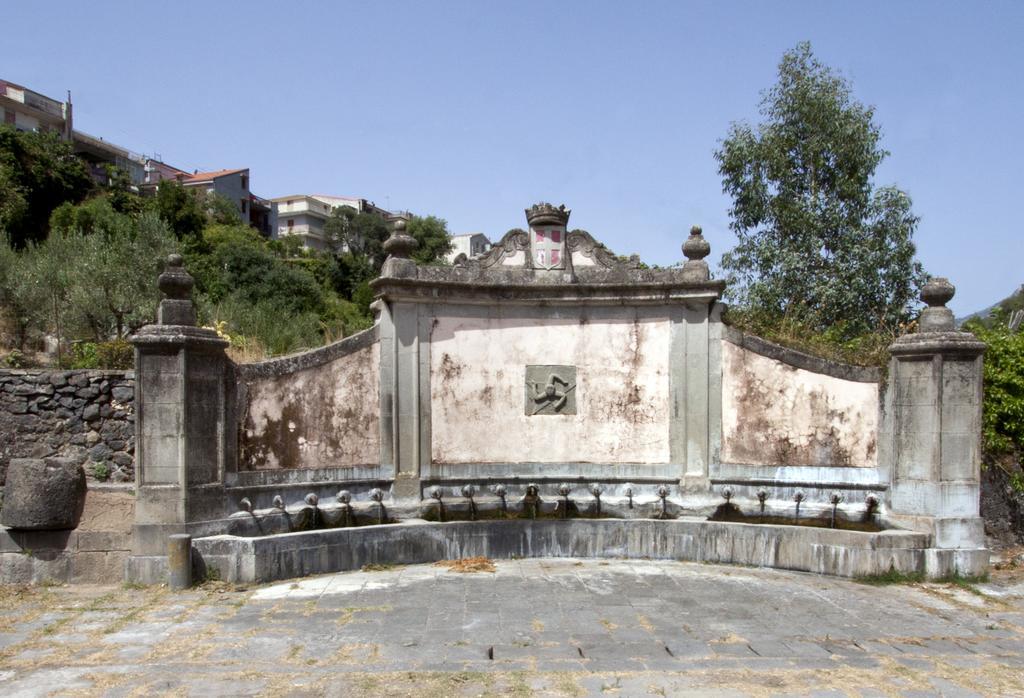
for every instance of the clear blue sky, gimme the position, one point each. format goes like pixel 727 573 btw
pixel 472 111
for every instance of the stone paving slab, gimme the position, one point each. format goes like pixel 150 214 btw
pixel 533 627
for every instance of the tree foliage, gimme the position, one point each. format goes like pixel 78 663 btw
pixel 818 242
pixel 115 290
pixel 1003 406
pixel 432 235
pixel 181 209
pixel 38 172
pixel 99 283
pixel 358 233
pixel 94 214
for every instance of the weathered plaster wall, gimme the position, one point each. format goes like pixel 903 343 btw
pixel 776 414
pixel 477 372
pixel 322 416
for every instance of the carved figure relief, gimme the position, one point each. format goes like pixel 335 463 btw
pixel 550 390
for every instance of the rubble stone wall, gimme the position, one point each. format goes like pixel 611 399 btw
pixel 85 415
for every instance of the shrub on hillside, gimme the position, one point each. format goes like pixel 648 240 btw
pixel 1003 420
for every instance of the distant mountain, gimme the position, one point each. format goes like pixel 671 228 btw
pixel 1014 301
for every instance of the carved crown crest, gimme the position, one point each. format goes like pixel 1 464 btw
pixel 547 214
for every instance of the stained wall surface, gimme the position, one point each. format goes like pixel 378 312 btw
pixel 323 416
pixel 777 414
pixel 477 375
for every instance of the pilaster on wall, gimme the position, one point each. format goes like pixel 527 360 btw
pixel 411 399
pixel 932 431
pixel 405 375
pixel 695 384
pixel 696 380
pixel 181 425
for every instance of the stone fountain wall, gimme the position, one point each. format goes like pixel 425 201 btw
pixel 547 372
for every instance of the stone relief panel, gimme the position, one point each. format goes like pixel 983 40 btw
pixel 550 390
pixel 776 414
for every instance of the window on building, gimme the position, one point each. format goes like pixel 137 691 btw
pixel 245 182
pixel 291 223
pixel 243 202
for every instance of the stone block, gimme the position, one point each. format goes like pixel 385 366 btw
pixel 940 563
pixel 146 569
pixel 100 452
pixel 105 567
pixel 103 541
pixel 162 419
pixel 123 393
pixel 956 533
pixel 43 494
pixel 162 456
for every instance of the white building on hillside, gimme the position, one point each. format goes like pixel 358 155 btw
pixel 27 110
pixel 470 244
pixel 305 215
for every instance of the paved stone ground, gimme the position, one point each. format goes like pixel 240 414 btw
pixel 544 627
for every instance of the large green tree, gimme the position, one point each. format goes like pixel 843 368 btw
pixel 358 233
pixel 431 234
pixel 819 243
pixel 38 172
pixel 181 209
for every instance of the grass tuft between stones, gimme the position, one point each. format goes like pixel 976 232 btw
pixel 468 564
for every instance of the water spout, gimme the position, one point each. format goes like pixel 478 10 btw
pixel 835 499
pixel 663 494
pixel 278 503
pixel 312 500
pixel 564 489
pixel 727 494
pixel 870 506
pixel 378 496
pixel 344 497
pixel 629 495
pixel 530 501
pixel 597 491
pixel 798 497
pixel 500 492
pixel 468 491
pixel 762 495
pixel 436 492
pixel 245 505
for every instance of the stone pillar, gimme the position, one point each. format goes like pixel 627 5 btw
pixel 931 436
pixel 402 373
pixel 180 423
pixel 695 377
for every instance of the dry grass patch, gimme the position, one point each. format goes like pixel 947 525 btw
pixel 469 564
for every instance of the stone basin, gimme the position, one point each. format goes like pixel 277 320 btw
pixel 819 550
